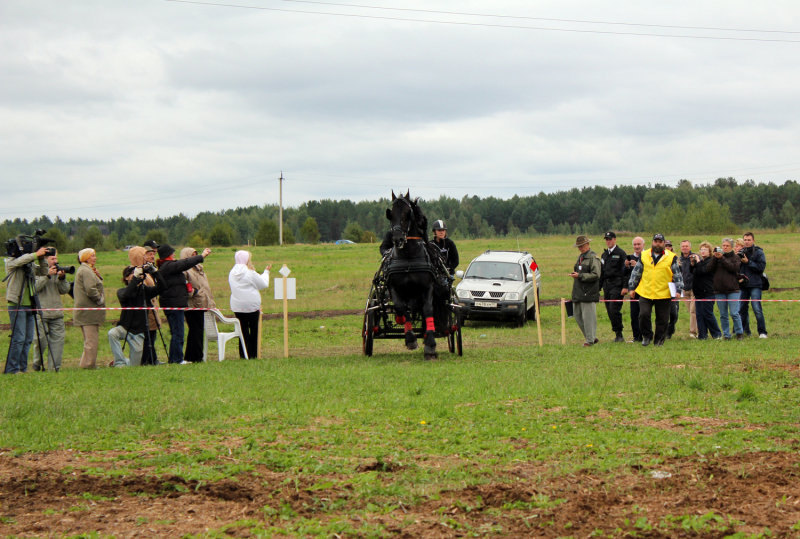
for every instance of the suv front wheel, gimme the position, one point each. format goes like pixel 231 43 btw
pixel 523 315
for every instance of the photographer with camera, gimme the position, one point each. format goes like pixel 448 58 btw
pixel 143 257
pixel 175 294
pixel 51 331
pixel 133 323
pixel 725 265
pixel 90 302
pixel 21 295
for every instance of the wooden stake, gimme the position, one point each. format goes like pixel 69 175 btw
pixel 563 321
pixel 538 314
pixel 285 320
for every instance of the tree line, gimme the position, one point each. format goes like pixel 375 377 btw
pixel 716 208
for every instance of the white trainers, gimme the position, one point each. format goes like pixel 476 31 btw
pixel 762 336
pixel 184 362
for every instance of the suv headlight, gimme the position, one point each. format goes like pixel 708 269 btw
pixel 512 296
pixel 463 293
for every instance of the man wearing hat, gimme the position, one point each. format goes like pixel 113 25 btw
pixel 650 280
pixel 175 294
pixel 613 283
pixel 586 290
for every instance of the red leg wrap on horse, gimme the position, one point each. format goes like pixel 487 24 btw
pixel 400 319
pixel 429 326
pixel 409 327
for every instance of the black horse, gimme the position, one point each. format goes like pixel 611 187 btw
pixel 410 273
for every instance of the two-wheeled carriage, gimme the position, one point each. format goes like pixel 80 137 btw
pixel 380 318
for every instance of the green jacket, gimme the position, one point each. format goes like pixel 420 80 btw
pixel 586 288
pixel 16 276
pixel 50 289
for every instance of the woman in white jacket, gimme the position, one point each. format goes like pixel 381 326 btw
pixel 246 285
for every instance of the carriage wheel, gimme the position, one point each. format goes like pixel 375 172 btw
pixel 451 338
pixel 367 335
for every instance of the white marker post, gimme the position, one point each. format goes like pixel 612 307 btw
pixel 285 289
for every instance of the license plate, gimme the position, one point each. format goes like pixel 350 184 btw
pixel 489 304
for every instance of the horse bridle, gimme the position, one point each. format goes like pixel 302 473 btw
pixel 398 228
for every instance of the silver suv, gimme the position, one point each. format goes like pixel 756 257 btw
pixel 499 285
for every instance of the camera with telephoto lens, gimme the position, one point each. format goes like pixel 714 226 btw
pixel 24 244
pixel 66 269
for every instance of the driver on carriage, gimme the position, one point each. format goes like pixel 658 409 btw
pixel 447 249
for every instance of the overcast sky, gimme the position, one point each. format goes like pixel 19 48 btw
pixel 154 107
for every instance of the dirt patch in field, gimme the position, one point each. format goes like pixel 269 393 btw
pixel 51 494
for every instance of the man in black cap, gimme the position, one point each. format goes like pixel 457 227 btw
pixel 612 281
pixel 650 281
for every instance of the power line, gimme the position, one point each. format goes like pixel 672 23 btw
pixel 490 25
pixel 530 18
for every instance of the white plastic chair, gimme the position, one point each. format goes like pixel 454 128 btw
pixel 213 334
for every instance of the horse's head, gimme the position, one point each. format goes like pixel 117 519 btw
pixel 407 220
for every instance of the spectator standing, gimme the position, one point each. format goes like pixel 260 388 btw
pixel 650 281
pixel 20 306
pixel 446 246
pixel 89 294
pixel 49 341
pixel 139 257
pixel 725 266
pixel 674 306
pixel 175 294
pixel 200 298
pixel 246 285
pixel 133 323
pixel 630 263
pixel 586 290
pixel 754 263
pixel 613 283
pixel 688 284
pixel 703 291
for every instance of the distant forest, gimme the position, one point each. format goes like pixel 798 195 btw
pixel 724 206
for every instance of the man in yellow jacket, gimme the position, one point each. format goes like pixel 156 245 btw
pixel 650 280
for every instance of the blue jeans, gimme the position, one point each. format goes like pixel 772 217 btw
pixel 134 340
pixel 23 323
pixel 706 323
pixel 175 319
pixel 744 313
pixel 732 306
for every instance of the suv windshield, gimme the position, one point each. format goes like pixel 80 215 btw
pixel 507 271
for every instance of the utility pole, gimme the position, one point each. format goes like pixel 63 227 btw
pixel 280 210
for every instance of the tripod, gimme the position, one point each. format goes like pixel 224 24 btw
pixel 17 356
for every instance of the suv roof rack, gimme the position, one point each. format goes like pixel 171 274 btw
pixel 487 251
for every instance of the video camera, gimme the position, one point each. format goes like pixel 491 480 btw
pixel 24 244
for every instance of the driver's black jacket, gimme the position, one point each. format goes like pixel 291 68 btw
pixel 448 252
pixel 387 243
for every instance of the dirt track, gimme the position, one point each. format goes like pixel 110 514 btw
pixel 49 494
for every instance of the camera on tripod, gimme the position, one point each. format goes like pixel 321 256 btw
pixel 24 244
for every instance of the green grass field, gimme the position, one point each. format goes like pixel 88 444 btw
pixel 510 439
